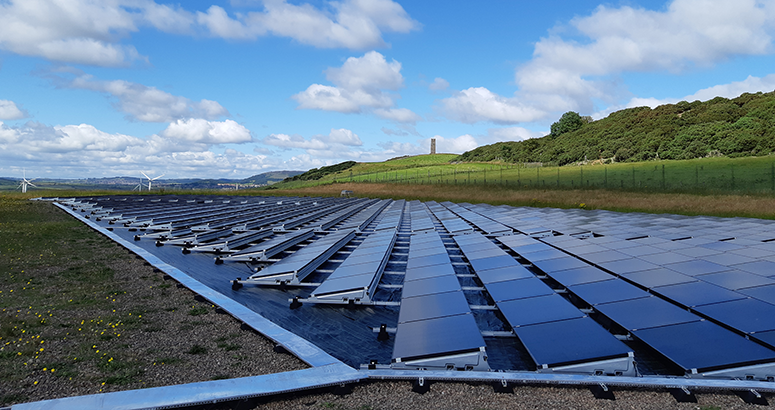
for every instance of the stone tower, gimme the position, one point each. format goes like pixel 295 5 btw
pixel 433 145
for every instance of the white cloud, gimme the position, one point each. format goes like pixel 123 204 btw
pixel 148 104
pixel 510 134
pixel 580 65
pixel 294 141
pixel 566 74
pixel 438 84
pixel 360 84
pixel 90 32
pixel 83 150
pixel 480 104
pixel 82 31
pixel 207 132
pixel 353 24
pixel 402 115
pixel 730 90
pixel 335 140
pixel 9 111
pixel 344 136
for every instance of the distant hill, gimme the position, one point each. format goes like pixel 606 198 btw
pixel 129 183
pixel 742 126
pixel 268 178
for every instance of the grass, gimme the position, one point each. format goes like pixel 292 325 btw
pixel 749 175
pixel 80 315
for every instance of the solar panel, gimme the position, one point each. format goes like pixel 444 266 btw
pixel 356 279
pixel 503 273
pixel 623 267
pixel 418 342
pixel 644 313
pixel 696 267
pixel 761 268
pixel 577 276
pixel 427 286
pixel 570 342
pixel 745 315
pixel 432 306
pixel 519 289
pixel 658 277
pixel 736 280
pixel 697 293
pixel 293 269
pixel 612 290
pixel 703 346
pixel 540 309
pixel 763 293
pixel 559 264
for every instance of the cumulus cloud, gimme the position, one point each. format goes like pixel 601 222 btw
pixel 360 84
pixel 143 103
pixel 83 31
pixel 402 115
pixel 580 64
pixel 335 140
pixel 569 74
pixel 79 150
pixel 730 90
pixel 353 24
pixel 90 32
pixel 438 84
pixel 510 134
pixel 480 104
pixel 207 132
pixel 9 111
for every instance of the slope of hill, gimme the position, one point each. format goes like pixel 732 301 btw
pixel 743 126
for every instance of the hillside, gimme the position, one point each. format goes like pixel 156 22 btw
pixel 743 126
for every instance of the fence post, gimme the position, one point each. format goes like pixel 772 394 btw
pixel 663 177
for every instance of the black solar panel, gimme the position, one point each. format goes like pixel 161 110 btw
pixel 736 280
pixel 761 268
pixel 443 335
pixel 745 315
pixel 437 284
pixel 569 342
pixel 645 313
pixel 697 293
pixel 613 290
pixel 503 273
pixel 540 309
pixel 696 267
pixel 658 277
pixel 577 276
pixel 433 306
pixel 703 346
pixel 519 289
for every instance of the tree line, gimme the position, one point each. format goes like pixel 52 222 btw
pixel 742 126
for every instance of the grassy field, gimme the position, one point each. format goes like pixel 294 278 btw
pixel 80 315
pixel 750 175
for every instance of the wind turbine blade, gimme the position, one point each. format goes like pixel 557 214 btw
pixel 157 177
pixel 31 184
pixel 145 174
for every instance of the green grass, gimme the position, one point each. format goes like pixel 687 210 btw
pixel 749 175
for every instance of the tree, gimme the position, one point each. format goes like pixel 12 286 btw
pixel 570 121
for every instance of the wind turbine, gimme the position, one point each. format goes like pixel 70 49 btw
pixel 25 182
pixel 138 187
pixel 150 179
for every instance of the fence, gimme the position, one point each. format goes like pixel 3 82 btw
pixel 752 177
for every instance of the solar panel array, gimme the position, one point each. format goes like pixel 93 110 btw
pixel 581 291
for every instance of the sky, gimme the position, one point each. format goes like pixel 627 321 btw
pixel 230 89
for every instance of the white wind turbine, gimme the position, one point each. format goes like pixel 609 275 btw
pixel 138 187
pixel 150 179
pixel 26 182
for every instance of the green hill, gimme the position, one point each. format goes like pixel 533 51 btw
pixel 743 126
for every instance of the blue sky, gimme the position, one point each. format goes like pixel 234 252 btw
pixel 230 89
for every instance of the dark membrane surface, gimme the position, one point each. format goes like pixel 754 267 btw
pixel 347 332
